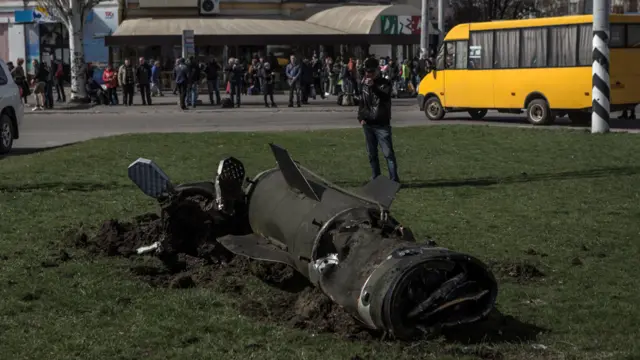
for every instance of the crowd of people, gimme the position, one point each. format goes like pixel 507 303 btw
pixel 306 78
pixel 46 77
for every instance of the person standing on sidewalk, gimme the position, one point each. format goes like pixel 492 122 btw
pixel 127 79
pixel 39 82
pixel 213 86
pixel 181 74
pixel 235 73
pixel 194 81
pixel 50 83
pixel 374 114
pixel 143 77
pixel 156 86
pixel 293 73
pixel 110 79
pixel 268 78
pixel 60 82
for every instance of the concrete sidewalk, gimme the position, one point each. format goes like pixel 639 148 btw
pixel 250 103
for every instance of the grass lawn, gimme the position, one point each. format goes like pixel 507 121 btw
pixel 564 201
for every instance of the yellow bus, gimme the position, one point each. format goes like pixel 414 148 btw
pixel 541 66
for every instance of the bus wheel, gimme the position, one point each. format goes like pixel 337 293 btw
pixel 478 114
pixel 433 109
pixel 538 112
pixel 580 118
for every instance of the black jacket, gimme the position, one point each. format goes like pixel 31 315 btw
pixel 194 73
pixel 212 70
pixel 235 73
pixel 375 103
pixel 41 74
pixel 143 74
pixel 306 73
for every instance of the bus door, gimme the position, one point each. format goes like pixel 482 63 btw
pixel 624 69
pixel 478 80
pixel 456 73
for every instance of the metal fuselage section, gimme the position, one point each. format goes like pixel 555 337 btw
pixel 344 242
pixel 364 261
pixel 280 213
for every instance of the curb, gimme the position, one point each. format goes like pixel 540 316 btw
pixel 252 110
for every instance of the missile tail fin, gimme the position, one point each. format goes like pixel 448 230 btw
pixel 291 172
pixel 381 190
pixel 256 247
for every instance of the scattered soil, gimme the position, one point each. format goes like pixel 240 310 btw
pixel 522 271
pixel 191 257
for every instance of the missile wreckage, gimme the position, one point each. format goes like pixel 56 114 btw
pixel 346 243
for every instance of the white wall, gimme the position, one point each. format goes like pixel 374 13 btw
pixel 380 50
pixel 16 42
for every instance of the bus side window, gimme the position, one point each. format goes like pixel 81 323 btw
pixel 534 48
pixel 451 53
pixel 634 36
pixel 481 50
pixel 461 54
pixel 617 36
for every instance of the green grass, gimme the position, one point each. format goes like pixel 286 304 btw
pixel 492 192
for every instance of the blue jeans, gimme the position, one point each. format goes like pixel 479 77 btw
pixel 375 135
pixel 214 87
pixel 192 95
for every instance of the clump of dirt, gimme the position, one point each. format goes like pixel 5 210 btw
pixel 191 257
pixel 520 270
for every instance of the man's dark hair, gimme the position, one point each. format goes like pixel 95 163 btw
pixel 371 64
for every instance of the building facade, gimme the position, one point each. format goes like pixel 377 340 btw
pixel 28 31
pixel 617 6
pixel 242 28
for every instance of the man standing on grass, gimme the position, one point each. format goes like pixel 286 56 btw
pixel 374 114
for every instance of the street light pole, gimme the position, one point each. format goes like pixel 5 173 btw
pixel 601 87
pixel 424 30
pixel 440 21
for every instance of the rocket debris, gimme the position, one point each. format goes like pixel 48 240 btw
pixel 346 243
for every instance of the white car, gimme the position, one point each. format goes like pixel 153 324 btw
pixel 11 109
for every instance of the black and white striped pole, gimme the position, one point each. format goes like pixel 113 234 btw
pixel 601 87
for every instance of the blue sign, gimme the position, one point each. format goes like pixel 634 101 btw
pixel 23 16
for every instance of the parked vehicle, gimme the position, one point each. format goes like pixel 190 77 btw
pixel 11 109
pixel 541 66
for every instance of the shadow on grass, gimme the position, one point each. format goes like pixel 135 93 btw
pixel 515 179
pixel 74 186
pixel 614 123
pixel 496 328
pixel 29 151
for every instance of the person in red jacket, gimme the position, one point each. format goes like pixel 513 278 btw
pixel 110 78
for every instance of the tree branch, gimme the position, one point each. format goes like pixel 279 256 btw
pixel 58 9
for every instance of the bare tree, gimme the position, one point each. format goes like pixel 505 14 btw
pixel 72 13
pixel 465 11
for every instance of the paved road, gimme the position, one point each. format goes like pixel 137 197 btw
pixel 169 102
pixel 55 129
